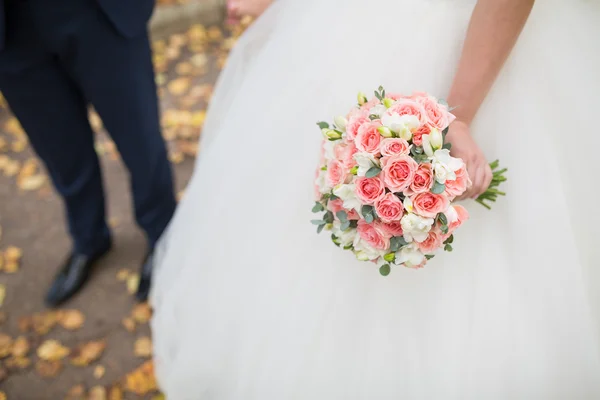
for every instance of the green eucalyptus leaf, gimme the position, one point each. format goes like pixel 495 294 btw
pixel 385 270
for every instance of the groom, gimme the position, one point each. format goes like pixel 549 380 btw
pixel 56 58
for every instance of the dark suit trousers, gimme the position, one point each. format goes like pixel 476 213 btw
pixel 60 56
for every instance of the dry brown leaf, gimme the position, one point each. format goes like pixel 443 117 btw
pixel 32 182
pixel 6 343
pixel 11 267
pixel 141 313
pixel 141 381
pixel 13 253
pixel 25 324
pixel 115 393
pixel 97 393
pixel 52 350
pixel 87 353
pixel 71 319
pixel 17 362
pixel 48 369
pixel 123 274
pixel 20 347
pixel 2 294
pixel 133 282
pixel 43 322
pixel 77 392
pixel 2 395
pixel 179 86
pixel 143 347
pixel 99 371
pixel 184 68
pixel 129 324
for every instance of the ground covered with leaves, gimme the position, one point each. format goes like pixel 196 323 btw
pixel 99 346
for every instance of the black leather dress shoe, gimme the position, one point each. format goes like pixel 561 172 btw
pixel 72 277
pixel 145 277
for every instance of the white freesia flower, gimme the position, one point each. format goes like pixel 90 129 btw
pixel 436 139
pixel 365 162
pixel 364 251
pixel 378 110
pixel 329 147
pixel 415 227
pixel 341 122
pixel 410 255
pixel 408 204
pixel 321 182
pixel 346 192
pixel 401 124
pixel 346 237
pixel 444 165
pixel 427 145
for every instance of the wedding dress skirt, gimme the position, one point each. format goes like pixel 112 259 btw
pixel 251 304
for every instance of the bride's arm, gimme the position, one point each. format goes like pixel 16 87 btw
pixel 494 28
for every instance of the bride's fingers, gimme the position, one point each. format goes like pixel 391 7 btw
pixel 478 182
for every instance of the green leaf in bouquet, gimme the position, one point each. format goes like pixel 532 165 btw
pixel 492 193
pixel 333 197
pixel 378 95
pixel 373 117
pixel 345 225
pixel 447 146
pixel 448 247
pixel 328 217
pixel 348 247
pixel 366 209
pixel 318 207
pixel 438 188
pixel 443 102
pixel 373 172
pixel 335 240
pixel 449 240
pixel 318 222
pixel 397 242
pixel 445 131
pixel 353 224
pixel 429 256
pixel 342 215
pixel 320 228
pixel 442 218
pixel 444 229
pixel 323 125
pixel 416 150
pixel 369 218
pixel 354 170
pixel 385 269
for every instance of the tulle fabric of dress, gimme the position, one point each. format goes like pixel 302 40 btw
pixel 251 304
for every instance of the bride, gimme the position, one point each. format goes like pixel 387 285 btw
pixel 251 304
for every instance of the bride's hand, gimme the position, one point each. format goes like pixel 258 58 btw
pixel 239 8
pixel 464 146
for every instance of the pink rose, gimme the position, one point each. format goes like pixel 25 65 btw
pixel 345 153
pixel 369 190
pixel 423 181
pixel 429 204
pixel 395 96
pixel 463 216
pixel 437 114
pixel 336 173
pixel 338 205
pixel 375 237
pixel 389 208
pixel 355 122
pixel 394 146
pixel 417 138
pixel 408 107
pixel 368 137
pixel 398 172
pixel 432 243
pixel 370 104
pixel 318 193
pixel 392 228
pixel 458 186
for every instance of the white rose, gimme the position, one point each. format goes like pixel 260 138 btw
pixel 346 237
pixel 378 110
pixel 364 252
pixel 409 255
pixel 346 192
pixel 415 227
pixel 401 124
pixel 365 162
pixel 321 182
pixel 444 166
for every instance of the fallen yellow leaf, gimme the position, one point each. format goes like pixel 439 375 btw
pixel 12 168
pixel 2 294
pixel 115 393
pixel 184 68
pixel 3 144
pixel 3 315
pixel 13 253
pixel 52 350
pixel 129 324
pixel 28 169
pixel 176 157
pixel 77 392
pixel 11 267
pixel 178 86
pixel 197 33
pixel 97 393
pixel 32 182
pixel 99 371
pixel 19 145
pixel 20 347
pixel 43 322
pixel 133 281
pixel 141 380
pixel 72 319
pixel 6 343
pixel 215 34
pixel 17 362
pixel 48 369
pixel 198 119
pixel 143 347
pixel 123 274
pixel 13 127
pixel 141 313
pixel 199 60
pixel 87 353
pixel 3 374
pixel 2 395
pixel 177 40
pixel 159 396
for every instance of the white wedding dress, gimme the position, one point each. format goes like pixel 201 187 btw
pixel 251 304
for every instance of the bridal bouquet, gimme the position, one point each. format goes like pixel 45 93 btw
pixel 386 181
